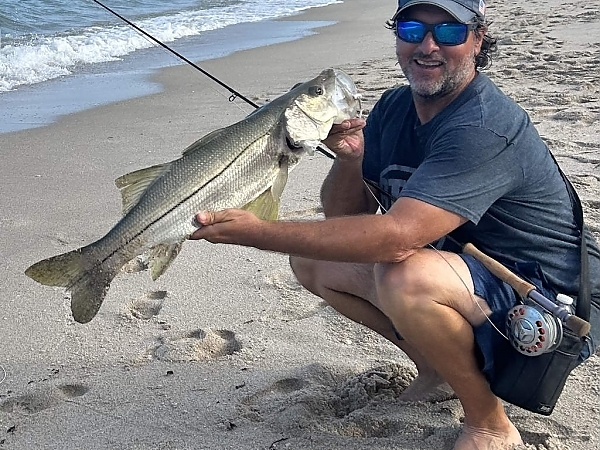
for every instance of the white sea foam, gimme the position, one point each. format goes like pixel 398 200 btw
pixel 33 58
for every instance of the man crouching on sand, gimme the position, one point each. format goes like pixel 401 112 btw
pixel 457 154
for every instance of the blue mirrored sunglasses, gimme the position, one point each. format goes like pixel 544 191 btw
pixel 447 33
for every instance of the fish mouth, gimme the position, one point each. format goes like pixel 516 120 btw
pixel 345 97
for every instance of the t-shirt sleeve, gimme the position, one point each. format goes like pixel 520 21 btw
pixel 467 169
pixel 372 134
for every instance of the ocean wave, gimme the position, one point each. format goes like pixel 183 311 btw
pixel 33 58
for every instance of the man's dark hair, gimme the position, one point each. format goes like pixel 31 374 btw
pixel 489 46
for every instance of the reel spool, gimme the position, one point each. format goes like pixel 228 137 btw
pixel 532 330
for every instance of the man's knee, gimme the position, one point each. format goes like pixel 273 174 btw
pixel 405 285
pixel 304 271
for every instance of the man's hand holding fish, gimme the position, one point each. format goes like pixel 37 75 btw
pixel 229 226
pixel 346 139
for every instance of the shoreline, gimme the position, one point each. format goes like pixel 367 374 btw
pixel 131 76
pixel 139 75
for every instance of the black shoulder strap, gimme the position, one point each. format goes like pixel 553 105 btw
pixel 584 296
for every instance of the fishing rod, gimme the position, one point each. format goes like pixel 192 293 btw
pixel 180 56
pixel 195 66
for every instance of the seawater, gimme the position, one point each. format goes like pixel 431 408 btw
pixel 66 45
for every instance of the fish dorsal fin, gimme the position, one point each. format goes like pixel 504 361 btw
pixel 266 205
pixel 161 256
pixel 203 140
pixel 134 184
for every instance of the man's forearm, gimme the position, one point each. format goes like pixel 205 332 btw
pixel 343 191
pixel 334 239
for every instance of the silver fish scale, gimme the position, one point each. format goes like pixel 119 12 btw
pixel 196 182
pixel 244 179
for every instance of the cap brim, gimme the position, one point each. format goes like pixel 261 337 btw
pixel 457 11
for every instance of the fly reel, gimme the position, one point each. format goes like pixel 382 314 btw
pixel 532 330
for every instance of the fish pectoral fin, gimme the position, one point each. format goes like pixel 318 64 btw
pixel 266 205
pixel 161 256
pixel 203 140
pixel 134 184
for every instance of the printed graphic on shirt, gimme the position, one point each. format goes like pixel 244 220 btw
pixel 392 180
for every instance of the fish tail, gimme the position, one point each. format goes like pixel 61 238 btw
pixel 86 279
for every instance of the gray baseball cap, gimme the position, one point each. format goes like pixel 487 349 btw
pixel 462 10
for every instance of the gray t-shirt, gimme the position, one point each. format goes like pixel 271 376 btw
pixel 481 158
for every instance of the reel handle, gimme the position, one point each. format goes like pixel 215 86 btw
pixel 577 325
pixel 526 290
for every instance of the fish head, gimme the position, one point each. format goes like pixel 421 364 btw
pixel 314 106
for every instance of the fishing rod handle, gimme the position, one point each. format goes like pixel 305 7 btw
pixel 517 283
pixel 527 290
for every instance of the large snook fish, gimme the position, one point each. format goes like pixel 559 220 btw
pixel 244 165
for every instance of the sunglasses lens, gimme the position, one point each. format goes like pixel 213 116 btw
pixel 450 33
pixel 411 31
pixel 414 32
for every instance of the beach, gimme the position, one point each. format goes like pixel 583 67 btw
pixel 226 350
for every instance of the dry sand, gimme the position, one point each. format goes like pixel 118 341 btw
pixel 226 351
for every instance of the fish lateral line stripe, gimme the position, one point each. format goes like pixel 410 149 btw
pixel 150 224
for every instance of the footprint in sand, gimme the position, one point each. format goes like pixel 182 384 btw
pixel 553 432
pixel 198 345
pixel 319 400
pixel 40 400
pixel 147 306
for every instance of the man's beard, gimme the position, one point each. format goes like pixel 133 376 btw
pixel 435 89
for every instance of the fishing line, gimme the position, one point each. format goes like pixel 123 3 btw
pixel 234 93
pixel 469 291
pixel 4 374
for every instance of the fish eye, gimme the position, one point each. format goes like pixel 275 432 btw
pixel 316 90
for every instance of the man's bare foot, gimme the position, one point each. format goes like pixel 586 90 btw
pixel 427 388
pixel 473 438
